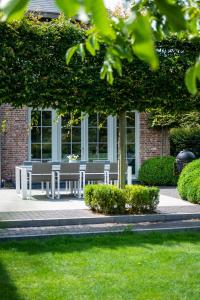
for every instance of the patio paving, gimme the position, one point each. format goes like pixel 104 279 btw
pixel 13 207
pixel 42 217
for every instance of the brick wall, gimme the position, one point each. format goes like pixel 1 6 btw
pixel 14 141
pixel 153 142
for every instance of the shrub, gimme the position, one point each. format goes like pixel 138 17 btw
pixel 141 198
pixel 109 199
pixel 185 138
pixel 158 171
pixel 105 198
pixel 193 194
pixel 187 179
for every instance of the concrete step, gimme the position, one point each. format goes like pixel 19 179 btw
pixel 92 229
pixel 43 220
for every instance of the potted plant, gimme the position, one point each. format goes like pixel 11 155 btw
pixel 72 158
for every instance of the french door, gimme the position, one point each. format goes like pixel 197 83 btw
pixel 92 138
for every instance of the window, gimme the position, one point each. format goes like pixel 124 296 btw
pixel 70 137
pixel 91 137
pixel 41 135
pixel 97 137
pixel 130 139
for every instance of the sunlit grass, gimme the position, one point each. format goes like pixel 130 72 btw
pixel 124 266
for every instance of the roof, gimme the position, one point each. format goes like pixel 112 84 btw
pixel 44 7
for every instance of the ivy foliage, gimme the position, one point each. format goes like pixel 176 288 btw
pixel 33 72
pixel 157 118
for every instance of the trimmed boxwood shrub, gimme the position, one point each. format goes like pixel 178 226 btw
pixel 158 171
pixel 105 198
pixel 110 199
pixel 188 183
pixel 141 199
pixel 193 194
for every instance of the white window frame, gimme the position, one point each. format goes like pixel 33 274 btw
pixel 112 138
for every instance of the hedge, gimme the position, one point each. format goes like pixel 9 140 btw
pixel 141 198
pixel 109 199
pixel 34 73
pixel 185 138
pixel 188 182
pixel 158 171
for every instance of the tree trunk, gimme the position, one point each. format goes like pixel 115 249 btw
pixel 122 149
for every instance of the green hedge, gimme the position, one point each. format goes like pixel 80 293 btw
pixel 158 171
pixel 141 198
pixel 109 199
pixel 188 183
pixel 185 138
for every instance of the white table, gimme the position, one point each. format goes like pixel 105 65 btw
pixel 22 178
pixel 22 181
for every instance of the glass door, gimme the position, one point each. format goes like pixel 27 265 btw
pixel 41 135
pixel 97 137
pixel 130 139
pixel 70 137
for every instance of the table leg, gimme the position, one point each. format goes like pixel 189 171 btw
pixel 24 183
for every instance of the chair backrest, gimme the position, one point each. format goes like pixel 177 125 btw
pixel 69 171
pixel 69 168
pixel 113 173
pixel 41 168
pixel 94 167
pixel 94 171
pixel 41 172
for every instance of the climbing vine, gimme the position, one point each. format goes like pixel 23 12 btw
pixel 33 72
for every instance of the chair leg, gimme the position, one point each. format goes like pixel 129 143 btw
pixel 47 189
pixel 42 186
pixel 58 184
pixel 30 185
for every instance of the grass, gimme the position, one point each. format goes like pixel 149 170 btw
pixel 124 266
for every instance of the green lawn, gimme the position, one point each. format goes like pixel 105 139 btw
pixel 123 266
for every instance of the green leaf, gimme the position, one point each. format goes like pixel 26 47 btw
pixel 90 45
pixel 69 7
pixel 109 76
pixel 81 51
pixel 173 13
pixel 190 80
pixel 104 70
pixel 12 9
pixel 70 53
pixel 143 45
pixel 191 77
pixel 100 17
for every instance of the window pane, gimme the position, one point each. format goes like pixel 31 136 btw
pixel 76 149
pixel 130 119
pixel 46 135
pixel 103 151
pixel 66 135
pixel 103 135
pixel 92 132
pixel 35 151
pixel 130 150
pixel 36 135
pixel 66 150
pixel 46 151
pixel 76 134
pixel 92 152
pixel 46 118
pixel 92 121
pixel 130 135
